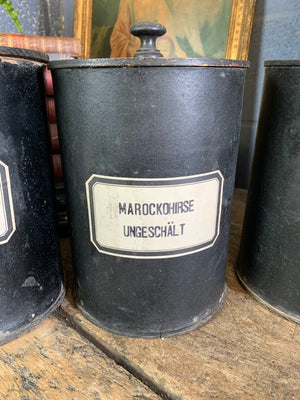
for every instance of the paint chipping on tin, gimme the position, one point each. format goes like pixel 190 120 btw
pixel 30 282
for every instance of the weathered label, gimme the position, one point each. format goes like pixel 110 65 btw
pixel 154 218
pixel 7 219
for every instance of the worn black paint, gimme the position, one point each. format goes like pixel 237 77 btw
pixel 30 276
pixel 147 118
pixel 269 263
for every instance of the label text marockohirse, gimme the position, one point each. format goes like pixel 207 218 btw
pixel 179 207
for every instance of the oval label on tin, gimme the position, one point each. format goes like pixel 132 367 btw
pixel 154 218
pixel 7 218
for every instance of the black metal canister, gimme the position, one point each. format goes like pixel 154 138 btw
pixel 30 276
pixel 269 263
pixel 149 148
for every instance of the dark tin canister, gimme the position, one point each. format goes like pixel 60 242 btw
pixel 30 276
pixel 269 263
pixel 149 149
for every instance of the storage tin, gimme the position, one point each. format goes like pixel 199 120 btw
pixel 269 263
pixel 30 276
pixel 149 148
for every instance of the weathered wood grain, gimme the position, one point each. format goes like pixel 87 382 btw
pixel 245 352
pixel 53 362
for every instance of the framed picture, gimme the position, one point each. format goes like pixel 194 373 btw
pixel 195 28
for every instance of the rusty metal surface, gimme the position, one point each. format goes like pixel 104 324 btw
pixel 23 54
pixel 282 63
pixel 148 62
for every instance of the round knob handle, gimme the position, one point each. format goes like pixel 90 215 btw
pixel 148 32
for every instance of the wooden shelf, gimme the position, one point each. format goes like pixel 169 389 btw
pixel 245 352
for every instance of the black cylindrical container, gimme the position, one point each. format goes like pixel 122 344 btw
pixel 269 263
pixel 149 149
pixel 30 276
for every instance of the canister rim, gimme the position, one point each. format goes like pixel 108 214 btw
pixel 282 63
pixel 146 62
pixel 32 55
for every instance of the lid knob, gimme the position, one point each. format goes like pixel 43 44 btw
pixel 148 32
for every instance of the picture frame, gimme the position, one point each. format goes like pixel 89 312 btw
pixel 238 34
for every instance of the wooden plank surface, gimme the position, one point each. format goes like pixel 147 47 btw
pixel 245 352
pixel 53 362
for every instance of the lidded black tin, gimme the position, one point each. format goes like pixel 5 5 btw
pixel 269 263
pixel 30 276
pixel 149 148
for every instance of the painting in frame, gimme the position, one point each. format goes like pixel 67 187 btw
pixel 195 28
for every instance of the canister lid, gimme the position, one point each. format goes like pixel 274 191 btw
pixel 282 63
pixel 148 55
pixel 25 54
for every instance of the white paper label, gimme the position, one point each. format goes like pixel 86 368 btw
pixel 154 218
pixel 7 218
